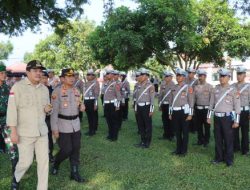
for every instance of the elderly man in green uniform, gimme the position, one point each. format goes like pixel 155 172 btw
pixel 27 108
pixel 65 124
pixel 5 130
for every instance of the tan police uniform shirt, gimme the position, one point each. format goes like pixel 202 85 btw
pixel 186 96
pixel 91 89
pixel 245 94
pixel 231 102
pixel 191 82
pixel 79 85
pixel 65 102
pixel 26 108
pixel 164 89
pixel 112 91
pixel 135 90
pixel 202 94
pixel 143 96
pixel 125 89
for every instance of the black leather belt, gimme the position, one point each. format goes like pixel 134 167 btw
pixel 68 117
pixel 3 114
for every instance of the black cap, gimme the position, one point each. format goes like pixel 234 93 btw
pixel 45 73
pixel 67 72
pixel 35 64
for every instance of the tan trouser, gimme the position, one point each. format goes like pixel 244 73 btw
pixel 26 148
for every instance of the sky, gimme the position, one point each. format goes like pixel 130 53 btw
pixel 27 41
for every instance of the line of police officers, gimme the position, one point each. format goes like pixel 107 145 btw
pixel 190 97
pixel 178 103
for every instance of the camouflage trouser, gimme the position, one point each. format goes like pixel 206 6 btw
pixel 10 147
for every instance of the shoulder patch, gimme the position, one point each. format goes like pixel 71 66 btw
pixel 190 90
pixel 11 94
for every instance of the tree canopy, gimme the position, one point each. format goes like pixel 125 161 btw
pixel 18 15
pixel 71 50
pixel 175 32
pixel 5 50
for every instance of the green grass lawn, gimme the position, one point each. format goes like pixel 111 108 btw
pixel 119 165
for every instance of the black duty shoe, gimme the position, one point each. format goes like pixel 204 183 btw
pixel 175 153
pixel 14 184
pixel 54 169
pixel 215 162
pixel 108 138
pixel 139 145
pixel 75 174
pixel 145 146
pixel 245 153
pixel 205 145
pixel 183 154
pixel 229 164
pixel 51 158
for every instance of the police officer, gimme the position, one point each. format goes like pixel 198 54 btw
pixel 145 107
pixel 202 95
pixel 91 91
pixel 125 92
pixel 65 124
pixel 11 148
pixel 192 82
pixel 243 90
pixel 164 96
pixel 137 76
pixel 181 111
pixel 102 89
pixel 112 99
pixel 119 83
pixel 27 107
pixel 225 103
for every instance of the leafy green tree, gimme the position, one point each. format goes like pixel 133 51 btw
pixel 119 41
pixel 177 33
pixel 71 50
pixel 5 50
pixel 17 16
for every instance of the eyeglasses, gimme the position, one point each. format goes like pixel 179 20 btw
pixel 90 75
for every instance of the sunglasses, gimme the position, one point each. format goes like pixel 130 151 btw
pixel 179 75
pixel 222 76
pixel 90 75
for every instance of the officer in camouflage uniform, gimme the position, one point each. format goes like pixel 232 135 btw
pixel 5 131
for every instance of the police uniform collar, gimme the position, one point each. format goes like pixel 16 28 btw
pixel 182 84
